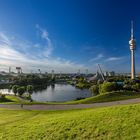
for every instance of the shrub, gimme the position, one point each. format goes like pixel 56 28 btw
pixel 107 87
pixel 94 89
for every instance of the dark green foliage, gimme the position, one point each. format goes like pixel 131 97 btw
pixel 31 80
pixel 21 90
pixel 30 89
pixel 4 86
pixel 117 78
pixel 34 80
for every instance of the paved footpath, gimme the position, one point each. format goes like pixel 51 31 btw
pixel 67 107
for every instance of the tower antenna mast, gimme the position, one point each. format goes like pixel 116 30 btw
pixel 132 30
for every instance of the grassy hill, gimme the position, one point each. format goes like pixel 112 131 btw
pixel 120 122
pixel 9 99
pixel 111 96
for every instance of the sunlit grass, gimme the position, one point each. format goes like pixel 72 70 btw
pixel 120 122
pixel 13 98
pixel 112 96
pixel 10 99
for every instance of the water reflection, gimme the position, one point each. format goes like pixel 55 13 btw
pixel 60 92
pixel 56 92
pixel 53 87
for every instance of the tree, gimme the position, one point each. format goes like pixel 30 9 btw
pixel 14 89
pixel 21 90
pixel 30 89
pixel 107 87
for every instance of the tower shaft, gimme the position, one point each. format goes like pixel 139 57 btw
pixel 132 65
pixel 132 44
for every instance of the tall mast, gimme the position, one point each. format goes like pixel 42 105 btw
pixel 132 30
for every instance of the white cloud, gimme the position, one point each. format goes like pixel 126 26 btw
pixel 15 51
pixel 98 57
pixel 114 58
pixel 44 35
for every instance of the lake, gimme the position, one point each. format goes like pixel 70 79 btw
pixel 57 92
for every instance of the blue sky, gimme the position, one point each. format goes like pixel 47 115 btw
pixel 67 35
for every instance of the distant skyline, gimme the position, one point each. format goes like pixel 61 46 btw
pixel 68 35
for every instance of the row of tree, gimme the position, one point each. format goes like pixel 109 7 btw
pixel 20 90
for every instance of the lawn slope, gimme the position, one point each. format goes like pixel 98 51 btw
pixel 111 96
pixel 10 99
pixel 120 122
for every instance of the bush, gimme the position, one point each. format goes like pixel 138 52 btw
pixel 21 90
pixel 94 89
pixel 107 87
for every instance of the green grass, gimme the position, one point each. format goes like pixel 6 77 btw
pixel 10 99
pixel 117 123
pixel 112 96
pixel 13 98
